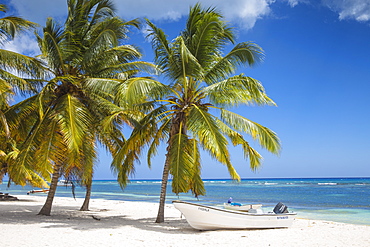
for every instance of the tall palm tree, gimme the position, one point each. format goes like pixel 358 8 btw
pixel 87 65
pixel 15 73
pixel 192 114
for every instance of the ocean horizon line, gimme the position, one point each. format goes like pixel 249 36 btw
pixel 229 179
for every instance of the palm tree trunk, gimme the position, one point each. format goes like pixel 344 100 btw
pixel 162 200
pixel 175 128
pixel 46 209
pixel 85 205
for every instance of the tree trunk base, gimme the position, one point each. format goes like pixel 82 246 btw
pixel 85 204
pixel 44 211
pixel 84 208
pixel 159 220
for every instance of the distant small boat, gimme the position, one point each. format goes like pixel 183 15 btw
pixel 252 208
pixel 36 191
pixel 65 183
pixel 203 217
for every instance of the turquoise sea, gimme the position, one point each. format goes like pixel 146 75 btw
pixel 336 199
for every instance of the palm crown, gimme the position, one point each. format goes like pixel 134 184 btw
pixel 87 66
pixel 202 83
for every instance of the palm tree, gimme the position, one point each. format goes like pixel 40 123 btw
pixel 87 66
pixel 15 73
pixel 192 113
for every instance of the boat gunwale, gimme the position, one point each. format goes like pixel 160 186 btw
pixel 232 211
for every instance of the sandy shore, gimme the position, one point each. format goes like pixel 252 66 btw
pixel 123 223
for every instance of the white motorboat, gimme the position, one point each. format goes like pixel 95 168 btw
pixel 244 207
pixel 203 217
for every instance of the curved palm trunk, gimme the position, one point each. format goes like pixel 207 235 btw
pixel 85 205
pixel 175 128
pixel 162 200
pixel 46 209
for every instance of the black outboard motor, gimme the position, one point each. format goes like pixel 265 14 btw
pixel 280 209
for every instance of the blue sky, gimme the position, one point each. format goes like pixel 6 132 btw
pixel 317 70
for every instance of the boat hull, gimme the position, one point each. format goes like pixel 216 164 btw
pixel 212 218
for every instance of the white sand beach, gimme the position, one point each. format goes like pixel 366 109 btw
pixel 125 223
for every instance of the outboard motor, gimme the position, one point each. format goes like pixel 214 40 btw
pixel 280 209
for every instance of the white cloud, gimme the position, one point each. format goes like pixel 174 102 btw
pixel 154 10
pixel 38 10
pixel 350 9
pixel 24 43
pixel 244 12
pixel 293 3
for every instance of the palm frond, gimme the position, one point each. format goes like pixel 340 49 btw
pixel 104 8
pixel 161 134
pixel 203 125
pixel 196 183
pixel 237 90
pixel 11 25
pixel 131 69
pixel 47 153
pixel 161 46
pixel 205 35
pixel 124 159
pixel 137 90
pixel 84 169
pixel 74 122
pixel 21 174
pixel 185 64
pixel 181 162
pixel 246 53
pixel 52 46
pixel 25 166
pixel 266 137
pixel 21 65
pixel 236 138
pixel 103 87
pixel 21 117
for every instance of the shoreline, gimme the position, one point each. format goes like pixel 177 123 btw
pixel 113 222
pixel 342 201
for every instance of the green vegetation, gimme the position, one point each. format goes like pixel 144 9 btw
pixel 192 113
pixel 16 71
pixel 86 87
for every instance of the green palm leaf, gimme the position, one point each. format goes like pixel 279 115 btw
pixel 237 90
pixel 236 138
pixel 246 53
pixel 160 135
pixel 196 183
pixel 181 163
pixel 74 121
pixel 11 25
pixel 266 137
pixel 161 47
pixel 52 46
pixel 205 128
